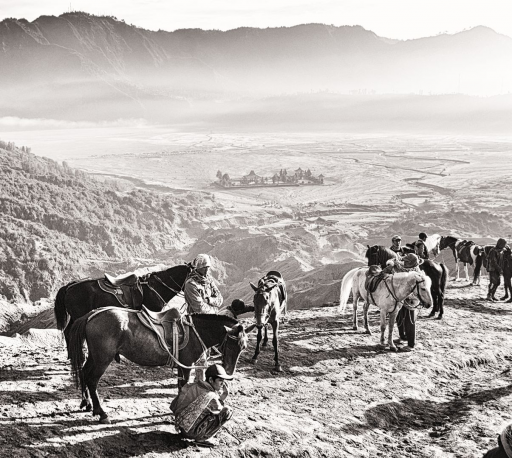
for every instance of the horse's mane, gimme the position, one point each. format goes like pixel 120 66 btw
pixel 383 253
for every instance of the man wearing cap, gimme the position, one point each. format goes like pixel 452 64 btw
pixel 201 292
pixel 396 246
pixel 419 246
pixel 199 408
pixel 495 265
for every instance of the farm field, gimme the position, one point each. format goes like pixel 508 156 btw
pixel 395 172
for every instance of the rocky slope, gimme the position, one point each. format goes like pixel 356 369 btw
pixel 339 395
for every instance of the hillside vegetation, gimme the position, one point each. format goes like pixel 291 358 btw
pixel 58 224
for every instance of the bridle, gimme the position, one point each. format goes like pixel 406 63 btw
pixel 177 292
pixel 397 301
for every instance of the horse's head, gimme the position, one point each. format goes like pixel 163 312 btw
pixel 372 254
pixel 445 241
pixel 265 297
pixel 422 289
pixel 233 345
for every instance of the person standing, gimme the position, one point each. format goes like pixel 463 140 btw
pixel 396 246
pixel 419 246
pixel 202 296
pixel 406 318
pixel 199 408
pixel 495 268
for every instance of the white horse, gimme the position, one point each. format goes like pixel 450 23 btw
pixel 432 244
pixel 389 296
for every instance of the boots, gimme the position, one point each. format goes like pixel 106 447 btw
pixel 490 298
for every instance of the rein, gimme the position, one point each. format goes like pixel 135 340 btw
pixel 154 275
pixel 392 292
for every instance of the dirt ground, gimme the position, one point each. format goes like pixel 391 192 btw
pixel 340 395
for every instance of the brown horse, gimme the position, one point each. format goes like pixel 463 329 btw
pixel 112 330
pixel 80 297
pixel 270 301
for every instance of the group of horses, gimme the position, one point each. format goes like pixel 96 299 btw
pixel 408 289
pixel 85 312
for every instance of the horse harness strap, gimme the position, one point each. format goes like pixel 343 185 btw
pixel 167 326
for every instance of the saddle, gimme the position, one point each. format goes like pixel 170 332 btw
pixel 374 276
pixel 464 251
pixel 125 288
pixel 171 327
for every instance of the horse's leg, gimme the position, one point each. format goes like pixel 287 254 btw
pixel 93 369
pixel 257 349
pixel 265 338
pixel 355 298
pixel 366 306
pixel 435 307
pixel 466 271
pixel 392 319
pixel 275 342
pixel 383 326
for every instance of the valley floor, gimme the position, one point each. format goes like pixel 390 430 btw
pixel 340 395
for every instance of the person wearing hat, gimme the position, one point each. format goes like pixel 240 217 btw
pixel 202 296
pixel 237 307
pixel 396 246
pixel 199 408
pixel 201 292
pixel 419 246
pixel 406 318
pixel 504 448
pixel 495 268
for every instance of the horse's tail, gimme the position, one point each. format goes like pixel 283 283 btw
pixel 76 349
pixel 346 288
pixel 61 314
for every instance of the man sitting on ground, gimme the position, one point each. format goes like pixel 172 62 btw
pixel 199 407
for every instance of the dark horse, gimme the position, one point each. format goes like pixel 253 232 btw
pixel 80 297
pixel 270 302
pixel 465 251
pixel 112 330
pixel 438 273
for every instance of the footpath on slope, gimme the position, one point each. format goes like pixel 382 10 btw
pixel 340 394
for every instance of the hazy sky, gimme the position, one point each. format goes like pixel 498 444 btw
pixel 389 18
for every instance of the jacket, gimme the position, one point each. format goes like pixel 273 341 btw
pixel 495 260
pixel 202 294
pixel 421 249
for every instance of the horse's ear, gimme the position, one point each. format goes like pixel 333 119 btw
pixel 254 287
pixel 368 246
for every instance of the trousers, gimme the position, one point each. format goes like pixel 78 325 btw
pixel 406 321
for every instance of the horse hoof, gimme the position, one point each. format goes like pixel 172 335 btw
pixel 368 332
pixel 393 348
pixel 105 420
pixel 278 368
pixel 254 361
pixel 432 315
pixel 440 317
pixel 354 328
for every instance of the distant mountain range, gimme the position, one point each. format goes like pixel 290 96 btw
pixel 78 66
